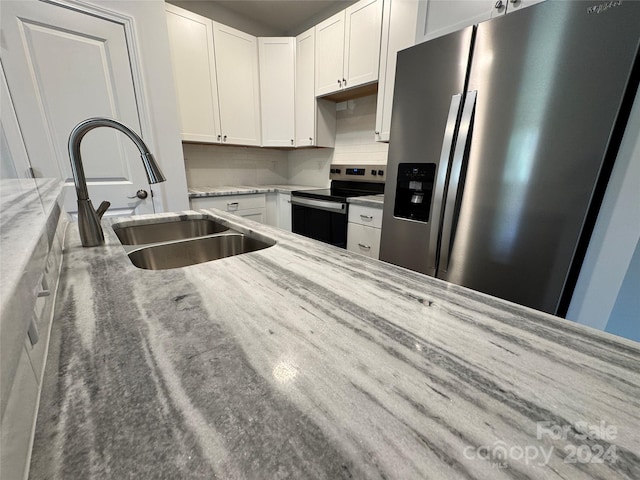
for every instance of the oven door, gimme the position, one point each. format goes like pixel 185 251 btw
pixel 322 220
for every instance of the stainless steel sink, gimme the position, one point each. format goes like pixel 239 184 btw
pixel 199 250
pixel 167 231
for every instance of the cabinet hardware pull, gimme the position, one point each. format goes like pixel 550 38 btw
pixel 367 247
pixel 310 140
pixel 224 138
pixel 344 80
pixel 499 4
pixel 292 141
pixel 366 217
pixel 219 137
pixel 377 133
pixel 339 82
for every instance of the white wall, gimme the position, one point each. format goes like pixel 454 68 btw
pixel 159 91
pixel 616 234
pixel 227 17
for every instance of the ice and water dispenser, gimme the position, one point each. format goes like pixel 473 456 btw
pixel 414 190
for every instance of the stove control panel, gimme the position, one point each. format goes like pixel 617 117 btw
pixel 358 173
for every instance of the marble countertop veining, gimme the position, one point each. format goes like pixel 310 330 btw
pixel 306 361
pixel 23 219
pixel 196 192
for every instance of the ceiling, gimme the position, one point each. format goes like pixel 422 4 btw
pixel 284 15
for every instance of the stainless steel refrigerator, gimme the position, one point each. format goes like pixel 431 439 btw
pixel 503 137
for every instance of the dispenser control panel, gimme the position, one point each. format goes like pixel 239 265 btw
pixel 414 190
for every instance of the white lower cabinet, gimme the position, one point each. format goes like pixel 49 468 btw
pixel 18 420
pixel 364 229
pixel 251 206
pixel 284 211
pixel 279 210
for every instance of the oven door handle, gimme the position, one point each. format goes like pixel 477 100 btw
pixel 335 207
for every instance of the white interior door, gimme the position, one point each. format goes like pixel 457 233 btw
pixel 63 66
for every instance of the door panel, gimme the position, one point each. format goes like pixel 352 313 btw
pixel 191 46
pixel 550 80
pixel 429 80
pixel 238 85
pixel 330 54
pixel 62 67
pixel 305 95
pixel 362 43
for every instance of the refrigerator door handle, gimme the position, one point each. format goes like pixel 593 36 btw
pixel 447 143
pixel 454 180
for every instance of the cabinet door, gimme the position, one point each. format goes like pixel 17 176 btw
pixel 363 27
pixel 305 97
pixel 255 214
pixel 284 211
pixel 439 17
pixel 277 80
pixel 236 55
pixel 192 58
pixel 330 54
pixel 515 5
pixel 364 240
pixel 398 32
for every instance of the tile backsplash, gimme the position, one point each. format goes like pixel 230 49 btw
pixel 213 165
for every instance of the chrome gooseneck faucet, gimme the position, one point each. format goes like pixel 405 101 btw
pixel 91 233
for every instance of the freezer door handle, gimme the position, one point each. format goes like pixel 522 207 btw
pixel 441 179
pixel 453 190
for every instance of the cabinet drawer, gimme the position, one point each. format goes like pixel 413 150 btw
pixel 363 215
pixel 230 203
pixel 364 240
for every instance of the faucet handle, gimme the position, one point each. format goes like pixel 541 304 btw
pixel 102 208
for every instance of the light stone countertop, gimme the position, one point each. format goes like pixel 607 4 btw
pixel 375 201
pixel 197 192
pixel 307 361
pixel 29 214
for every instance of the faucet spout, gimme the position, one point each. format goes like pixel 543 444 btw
pixel 91 233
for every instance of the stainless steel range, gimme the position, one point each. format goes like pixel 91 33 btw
pixel 322 214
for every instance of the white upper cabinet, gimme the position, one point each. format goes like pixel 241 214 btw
pixel 236 56
pixel 363 30
pixel 277 80
pixel 439 17
pixel 398 32
pixel 192 58
pixel 315 119
pixel 330 54
pixel 515 5
pixel 348 47
pixel 305 97
pixel 215 69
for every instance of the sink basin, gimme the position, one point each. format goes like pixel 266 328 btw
pixel 167 231
pixel 199 250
